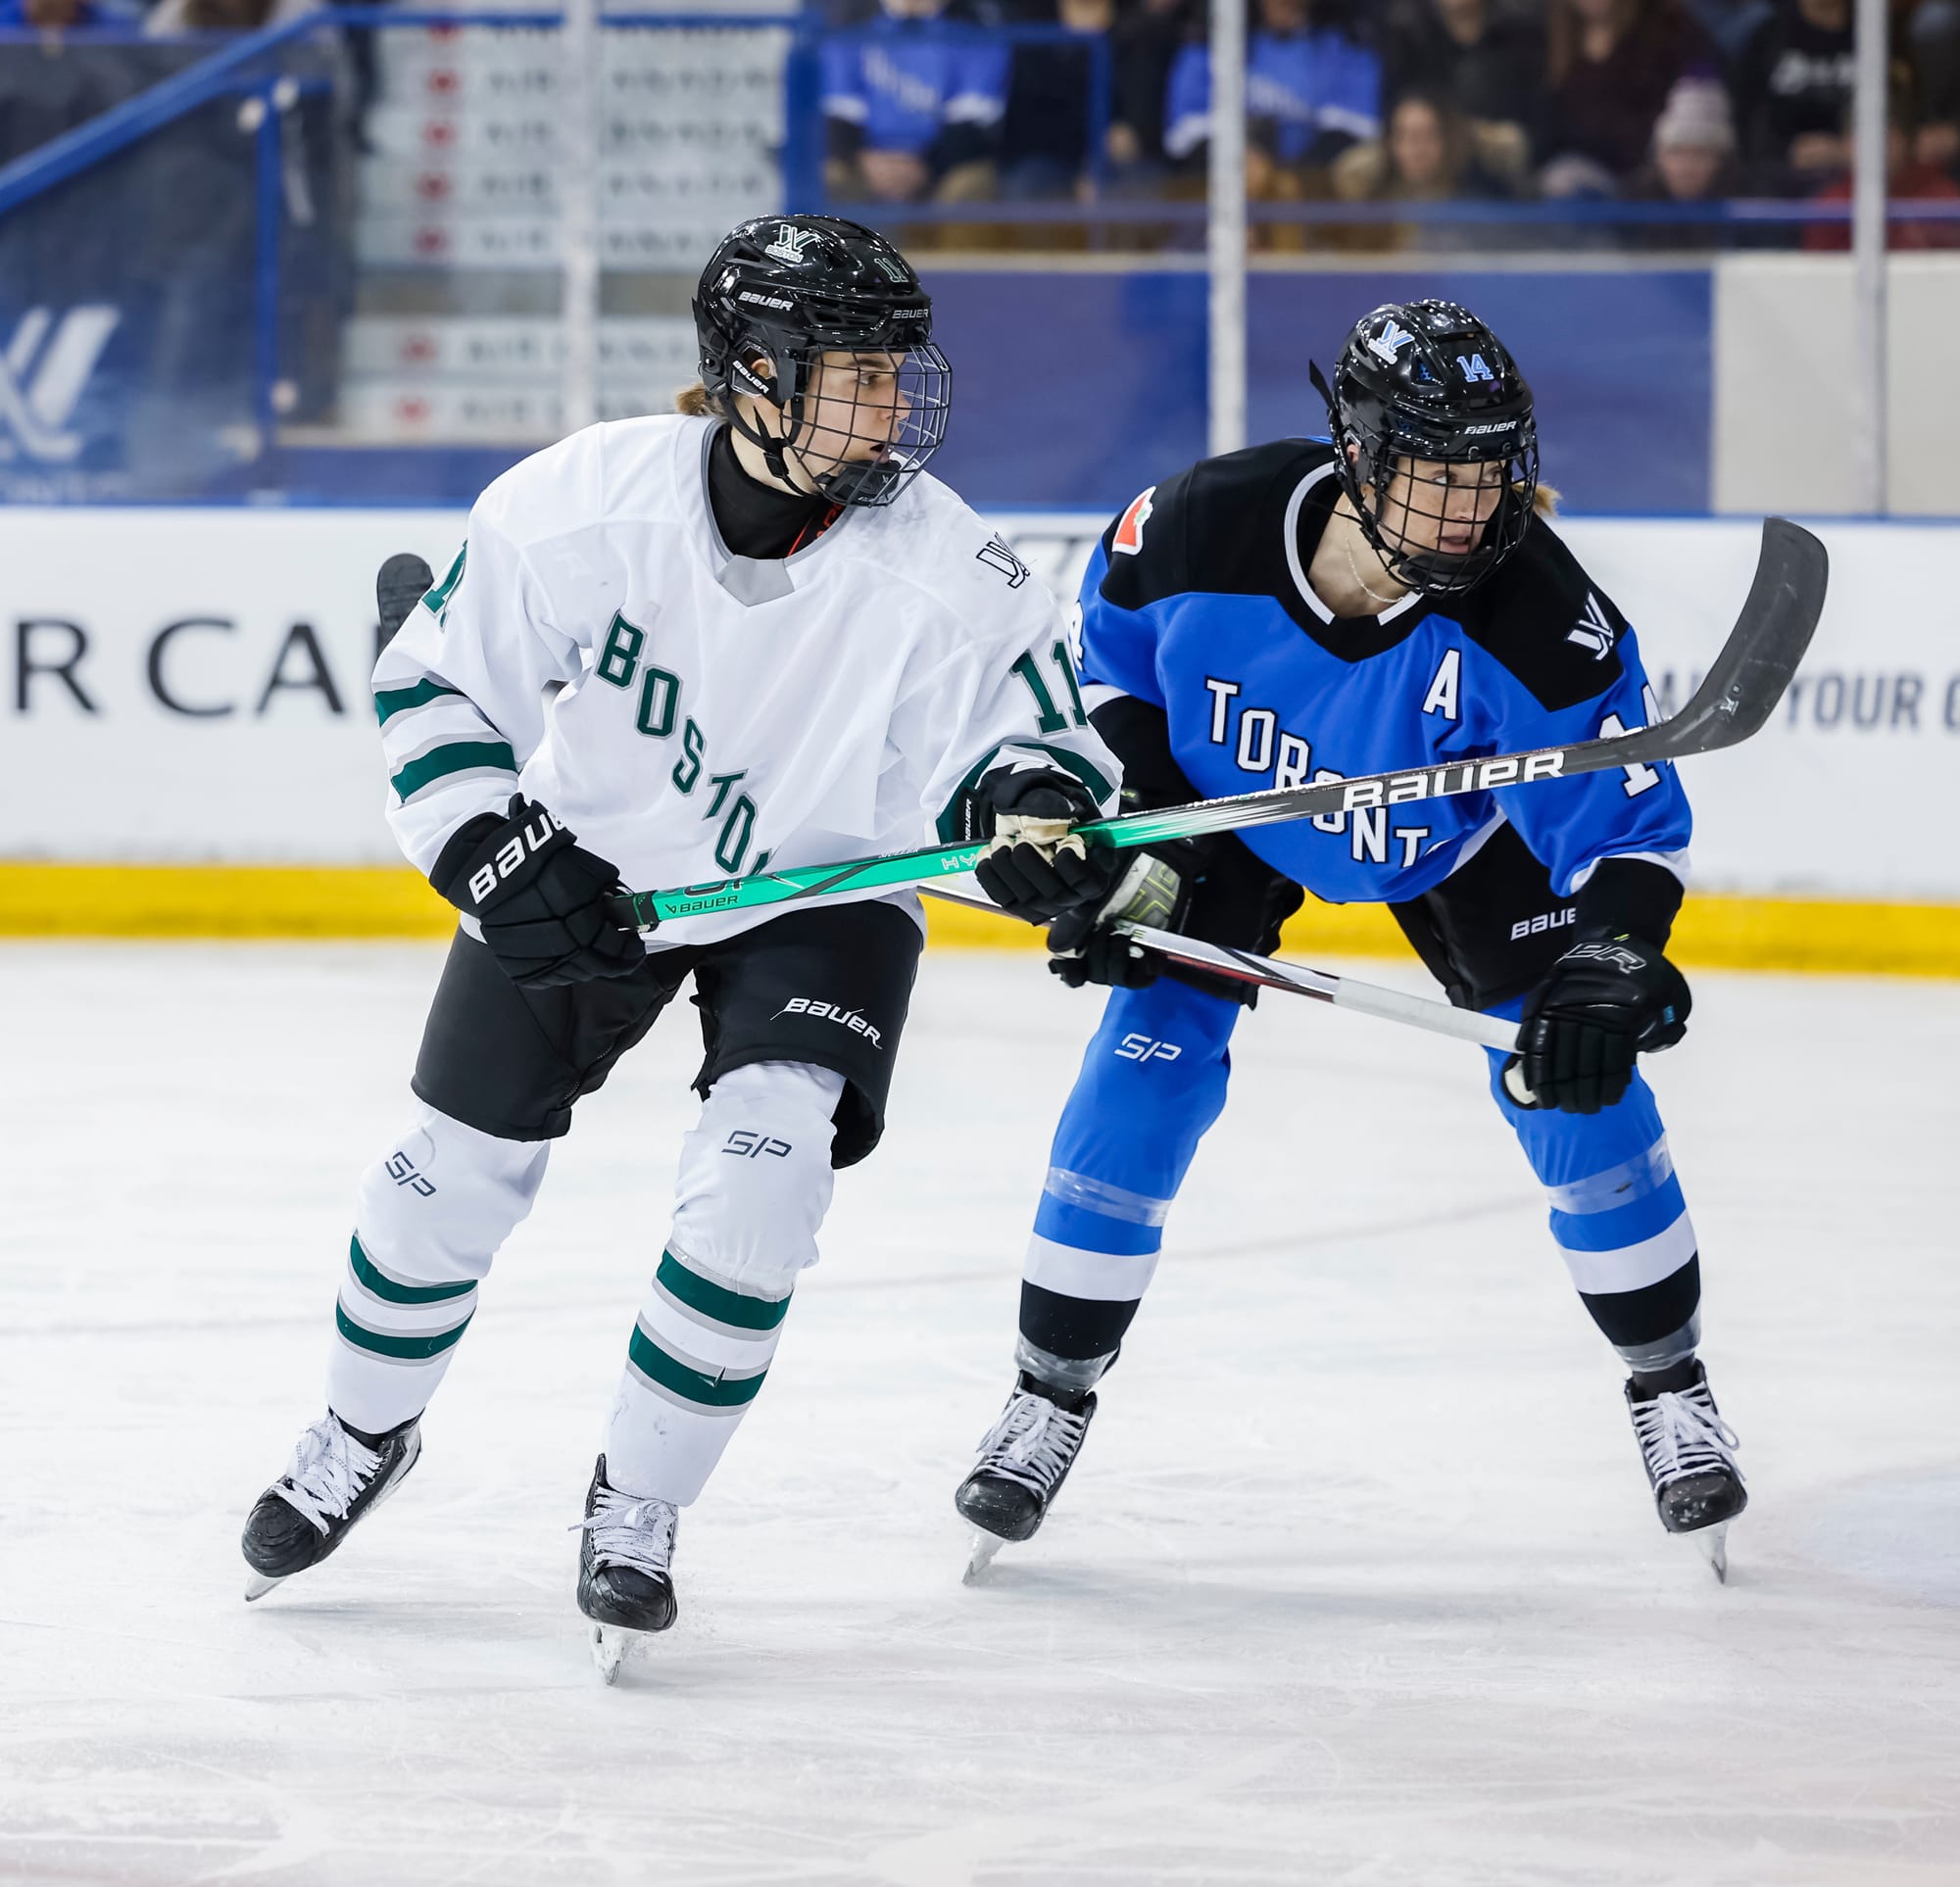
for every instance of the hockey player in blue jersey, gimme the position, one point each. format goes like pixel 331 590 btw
pixel 1304 610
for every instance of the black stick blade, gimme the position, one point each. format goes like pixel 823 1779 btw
pixel 1740 690
pixel 400 584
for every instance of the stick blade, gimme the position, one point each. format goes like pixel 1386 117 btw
pixel 1740 690
pixel 399 585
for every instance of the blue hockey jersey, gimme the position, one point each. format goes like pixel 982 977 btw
pixel 1317 92
pixel 902 82
pixel 1196 602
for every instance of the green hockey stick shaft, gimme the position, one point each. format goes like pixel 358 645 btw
pixel 1741 688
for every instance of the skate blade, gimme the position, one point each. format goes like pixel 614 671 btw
pixel 1712 1543
pixel 980 1551
pixel 258 1584
pixel 610 1647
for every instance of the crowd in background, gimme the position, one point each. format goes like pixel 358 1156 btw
pixel 1684 102
pixel 1391 102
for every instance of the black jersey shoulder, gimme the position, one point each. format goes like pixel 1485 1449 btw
pixel 1542 617
pixel 1219 526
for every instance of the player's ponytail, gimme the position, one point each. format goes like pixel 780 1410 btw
pixel 698 403
pixel 1545 501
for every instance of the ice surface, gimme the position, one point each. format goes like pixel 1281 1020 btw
pixel 1358 1582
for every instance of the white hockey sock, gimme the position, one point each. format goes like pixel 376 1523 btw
pixel 432 1213
pixel 755 1184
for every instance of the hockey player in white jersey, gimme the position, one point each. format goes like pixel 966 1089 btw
pixel 675 649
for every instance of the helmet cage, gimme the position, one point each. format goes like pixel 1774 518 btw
pixel 1394 529
pixel 831 417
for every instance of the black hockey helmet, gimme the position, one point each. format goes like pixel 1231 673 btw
pixel 791 289
pixel 1428 380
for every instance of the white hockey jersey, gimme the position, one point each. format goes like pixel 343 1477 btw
pixel 692 715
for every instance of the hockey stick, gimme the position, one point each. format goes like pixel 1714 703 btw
pixel 1735 698
pixel 1297 979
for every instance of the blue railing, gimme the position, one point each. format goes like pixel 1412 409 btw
pixel 138 117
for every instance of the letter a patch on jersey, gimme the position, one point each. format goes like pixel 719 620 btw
pixel 1129 538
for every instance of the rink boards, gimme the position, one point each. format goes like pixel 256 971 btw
pixel 187 695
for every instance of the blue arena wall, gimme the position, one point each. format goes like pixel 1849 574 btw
pixel 1074 390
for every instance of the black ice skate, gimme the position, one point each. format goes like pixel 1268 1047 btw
pixel 1024 1459
pixel 624 1583
pixel 1690 1453
pixel 334 1479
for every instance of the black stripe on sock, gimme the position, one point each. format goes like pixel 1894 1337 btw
pixel 1646 1315
pixel 1074 1327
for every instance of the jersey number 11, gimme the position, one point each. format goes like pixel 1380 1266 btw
pixel 1053 720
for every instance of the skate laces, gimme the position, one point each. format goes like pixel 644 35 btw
pixel 1682 1432
pixel 629 1531
pixel 1032 1443
pixel 329 1468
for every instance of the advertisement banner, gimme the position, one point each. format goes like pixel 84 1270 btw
pixel 186 686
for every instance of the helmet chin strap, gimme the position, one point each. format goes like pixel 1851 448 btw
pixel 775 446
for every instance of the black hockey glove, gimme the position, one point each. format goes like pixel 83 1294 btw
pixel 544 902
pixel 1034 870
pixel 1604 1001
pixel 1155 889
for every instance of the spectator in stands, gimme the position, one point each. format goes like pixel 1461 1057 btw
pixel 1428 156
pixel 912 108
pixel 1905 177
pixel 1147 37
pixel 1610 66
pixel 1310 92
pixel 1694 161
pixel 1487 63
pixel 1045 134
pixel 1795 83
pixel 1932 41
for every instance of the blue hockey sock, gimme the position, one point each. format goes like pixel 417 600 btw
pixel 1152 1081
pixel 1618 1218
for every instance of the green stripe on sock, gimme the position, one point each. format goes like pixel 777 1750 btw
pixel 714 1392
pixel 713 1300
pixel 457 757
pixel 408 1349
pixel 398 701
pixel 390 1293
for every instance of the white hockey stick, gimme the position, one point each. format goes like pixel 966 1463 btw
pixel 1323 986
